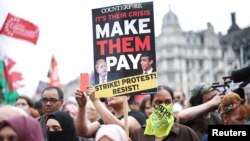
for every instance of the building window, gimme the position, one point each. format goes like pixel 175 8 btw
pixel 170 63
pixel 171 77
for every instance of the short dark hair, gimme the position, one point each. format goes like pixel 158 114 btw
pixel 150 56
pixel 38 104
pixel 59 91
pixel 197 93
pixel 162 87
pixel 143 103
pixel 131 100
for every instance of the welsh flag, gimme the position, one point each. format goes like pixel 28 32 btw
pixel 6 95
pixel 53 73
pixel 13 77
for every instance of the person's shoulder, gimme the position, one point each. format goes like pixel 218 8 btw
pixel 178 125
pixel 138 115
pixel 184 130
pixel 205 138
pixel 138 134
pixel 181 128
pixel 135 113
pixel 38 118
pixel 41 119
pixel 154 69
pixel 113 74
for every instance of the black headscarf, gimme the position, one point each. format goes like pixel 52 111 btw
pixel 68 132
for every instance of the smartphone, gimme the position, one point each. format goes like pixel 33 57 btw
pixel 84 81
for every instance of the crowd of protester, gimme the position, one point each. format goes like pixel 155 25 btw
pixel 166 115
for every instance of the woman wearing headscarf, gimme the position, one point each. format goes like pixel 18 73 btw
pixel 61 127
pixel 21 128
pixel 111 132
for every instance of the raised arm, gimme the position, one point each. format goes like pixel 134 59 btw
pixel 110 118
pixel 192 112
pixel 83 127
pixel 106 115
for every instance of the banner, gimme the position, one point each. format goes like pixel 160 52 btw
pixel 124 49
pixel 19 28
pixel 53 73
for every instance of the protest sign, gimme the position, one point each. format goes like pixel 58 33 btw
pixel 124 49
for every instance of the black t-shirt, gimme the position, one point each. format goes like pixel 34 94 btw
pixel 138 115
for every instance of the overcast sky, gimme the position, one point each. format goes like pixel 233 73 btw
pixel 66 30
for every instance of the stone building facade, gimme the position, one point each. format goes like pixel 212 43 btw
pixel 188 58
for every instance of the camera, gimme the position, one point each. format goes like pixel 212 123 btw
pixel 241 75
pixel 234 83
pixel 224 88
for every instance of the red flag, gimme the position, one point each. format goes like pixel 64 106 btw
pixel 53 73
pixel 19 28
pixel 12 77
